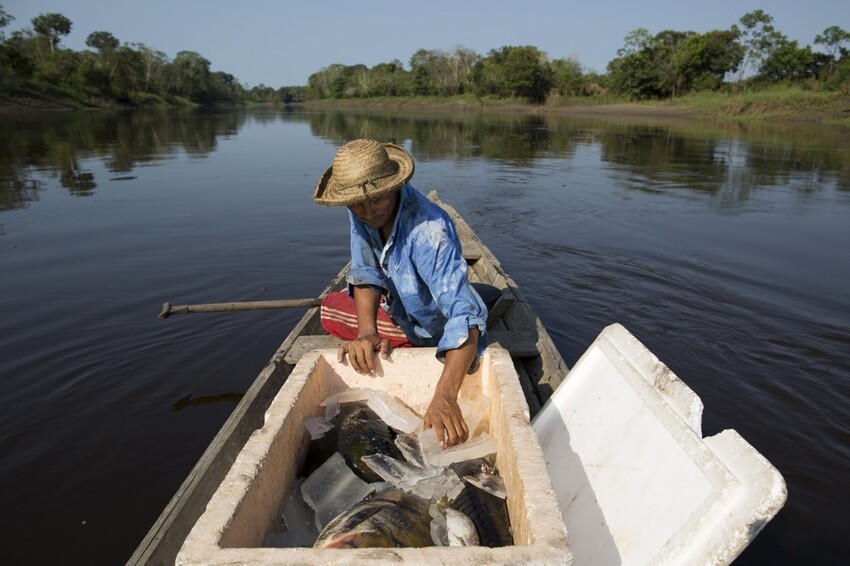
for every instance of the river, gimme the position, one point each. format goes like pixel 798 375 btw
pixel 722 247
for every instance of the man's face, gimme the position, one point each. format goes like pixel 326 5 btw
pixel 377 213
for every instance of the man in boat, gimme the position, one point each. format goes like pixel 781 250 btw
pixel 408 280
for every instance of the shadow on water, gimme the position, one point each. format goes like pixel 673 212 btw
pixel 190 401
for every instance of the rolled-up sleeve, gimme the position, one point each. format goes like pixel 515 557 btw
pixel 441 265
pixel 364 267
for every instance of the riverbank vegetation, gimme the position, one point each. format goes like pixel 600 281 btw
pixel 749 69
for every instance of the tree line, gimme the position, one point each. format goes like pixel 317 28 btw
pixel 751 54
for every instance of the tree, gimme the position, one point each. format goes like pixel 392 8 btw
pixel 154 68
pixel 758 38
pixel 488 76
pixel 104 66
pixel 5 20
pixel 665 53
pixel 523 72
pixel 18 53
pixel 790 63
pixel 462 62
pixel 388 79
pixel 528 73
pixel 635 74
pixel 635 41
pixel 190 76
pixel 568 78
pixel 672 63
pixel 53 27
pixel 832 38
pixel 102 41
pixel 645 67
pixel 425 68
pixel 705 59
pixel 334 81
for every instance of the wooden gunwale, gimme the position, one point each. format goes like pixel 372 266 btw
pixel 512 324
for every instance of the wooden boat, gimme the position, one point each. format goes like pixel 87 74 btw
pixel 511 324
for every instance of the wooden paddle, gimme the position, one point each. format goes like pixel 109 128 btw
pixel 168 309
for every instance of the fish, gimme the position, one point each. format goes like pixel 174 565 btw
pixel 460 529
pixel 391 518
pixel 450 527
pixel 358 431
pixel 488 513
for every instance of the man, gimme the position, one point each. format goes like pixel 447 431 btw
pixel 405 259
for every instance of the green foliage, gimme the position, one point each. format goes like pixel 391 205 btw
pixel 703 60
pixel 790 63
pixel 839 80
pixel 522 72
pixel 568 78
pixel 102 41
pixel 759 38
pixel 5 20
pixel 53 27
pixel 668 64
pixel 832 39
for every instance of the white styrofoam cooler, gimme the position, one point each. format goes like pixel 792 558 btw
pixel 231 529
pixel 636 482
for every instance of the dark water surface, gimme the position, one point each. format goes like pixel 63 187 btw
pixel 725 250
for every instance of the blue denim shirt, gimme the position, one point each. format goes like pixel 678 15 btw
pixel 421 273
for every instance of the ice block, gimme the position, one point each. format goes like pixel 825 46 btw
pixel 388 468
pixel 478 447
pixel 332 489
pixel 473 411
pixel 410 448
pixel 349 395
pixel 317 426
pixel 298 519
pixel 393 412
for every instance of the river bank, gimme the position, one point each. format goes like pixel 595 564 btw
pixel 790 104
pixel 784 103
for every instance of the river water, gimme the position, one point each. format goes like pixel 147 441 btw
pixel 724 248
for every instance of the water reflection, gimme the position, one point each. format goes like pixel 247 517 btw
pixel 726 159
pixel 58 144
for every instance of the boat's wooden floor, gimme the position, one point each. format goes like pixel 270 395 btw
pixel 511 324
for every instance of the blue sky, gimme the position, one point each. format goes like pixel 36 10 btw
pixel 280 43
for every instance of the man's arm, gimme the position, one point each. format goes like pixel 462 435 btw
pixel 443 413
pixel 361 350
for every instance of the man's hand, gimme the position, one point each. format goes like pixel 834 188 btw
pixel 444 416
pixel 361 352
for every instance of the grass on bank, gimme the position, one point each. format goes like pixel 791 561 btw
pixel 787 102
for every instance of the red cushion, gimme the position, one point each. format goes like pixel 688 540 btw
pixel 340 319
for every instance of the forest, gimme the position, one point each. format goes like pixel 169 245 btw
pixel 751 55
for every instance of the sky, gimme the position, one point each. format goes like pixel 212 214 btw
pixel 281 43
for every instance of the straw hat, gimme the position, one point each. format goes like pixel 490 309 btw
pixel 363 170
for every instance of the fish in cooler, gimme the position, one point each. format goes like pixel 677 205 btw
pixel 390 518
pixel 357 432
pixel 488 512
